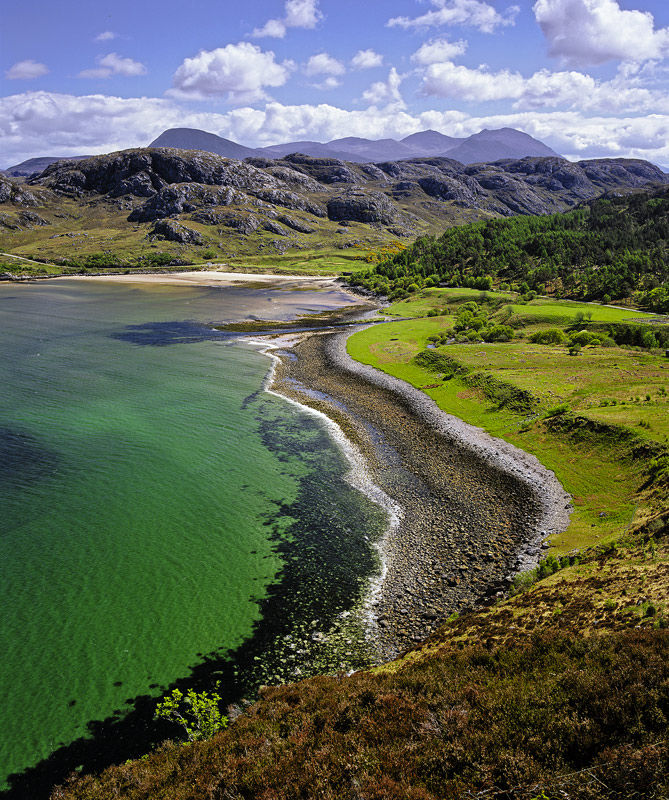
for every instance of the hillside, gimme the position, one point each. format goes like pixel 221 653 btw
pixel 610 248
pixel 191 206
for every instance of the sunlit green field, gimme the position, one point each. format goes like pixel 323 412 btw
pixel 625 387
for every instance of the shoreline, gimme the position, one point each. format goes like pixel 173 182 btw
pixel 474 510
pixel 204 278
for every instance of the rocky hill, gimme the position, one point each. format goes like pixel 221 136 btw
pixel 293 202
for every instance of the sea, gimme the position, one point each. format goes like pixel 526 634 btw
pixel 164 520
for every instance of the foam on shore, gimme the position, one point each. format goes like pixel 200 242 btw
pixel 357 476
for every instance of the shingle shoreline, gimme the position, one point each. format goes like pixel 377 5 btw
pixel 474 509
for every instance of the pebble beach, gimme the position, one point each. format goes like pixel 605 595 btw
pixel 472 510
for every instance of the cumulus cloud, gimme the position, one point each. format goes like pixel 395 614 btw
pixel 365 59
pixel 105 36
pixel 26 70
pixel 324 64
pixel 438 50
pixel 239 71
pixel 471 13
pixel 385 93
pixel 34 123
pixel 452 80
pixel 298 14
pixel 113 64
pixel 543 89
pixel 594 31
pixel 302 14
pixel 328 83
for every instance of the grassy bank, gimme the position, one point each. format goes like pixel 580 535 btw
pixel 623 389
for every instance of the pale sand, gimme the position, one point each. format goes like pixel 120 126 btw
pixel 208 278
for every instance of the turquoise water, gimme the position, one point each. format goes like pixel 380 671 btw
pixel 160 517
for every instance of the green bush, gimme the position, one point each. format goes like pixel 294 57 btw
pixel 197 713
pixel 549 336
pixel 563 408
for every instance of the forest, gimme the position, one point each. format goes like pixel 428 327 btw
pixel 611 249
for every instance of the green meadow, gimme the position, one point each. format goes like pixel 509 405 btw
pixel 623 388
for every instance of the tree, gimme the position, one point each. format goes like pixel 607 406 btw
pixel 197 713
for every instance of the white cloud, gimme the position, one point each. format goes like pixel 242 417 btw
pixel 385 93
pixel 453 80
pixel 105 36
pixel 298 14
pixel 472 13
pixel 26 70
pixel 302 14
pixel 324 64
pixel 328 83
pixel 273 27
pixel 40 123
pixel 543 89
pixel 240 71
pixel 113 64
pixel 438 50
pixel 365 59
pixel 594 31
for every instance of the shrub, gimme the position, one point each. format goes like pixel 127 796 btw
pixel 498 333
pixel 549 336
pixel 583 338
pixel 197 713
pixel 563 408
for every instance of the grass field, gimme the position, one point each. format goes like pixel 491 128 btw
pixel 536 312
pixel 622 387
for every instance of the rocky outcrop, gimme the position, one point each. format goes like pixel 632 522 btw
pixel 184 198
pixel 290 200
pixel 358 206
pixel 11 192
pixel 175 232
pixel 295 224
pixel 143 173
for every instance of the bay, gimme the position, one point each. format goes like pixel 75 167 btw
pixel 161 518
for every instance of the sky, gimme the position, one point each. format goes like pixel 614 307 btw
pixel 590 78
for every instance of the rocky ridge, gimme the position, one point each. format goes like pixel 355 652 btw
pixel 297 196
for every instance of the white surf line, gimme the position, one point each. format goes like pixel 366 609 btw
pixel 357 476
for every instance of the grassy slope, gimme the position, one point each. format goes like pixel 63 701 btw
pixel 78 229
pixel 591 471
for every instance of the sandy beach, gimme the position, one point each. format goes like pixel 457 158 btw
pixel 209 278
pixel 473 510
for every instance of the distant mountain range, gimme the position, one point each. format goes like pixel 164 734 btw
pixel 33 166
pixel 486 146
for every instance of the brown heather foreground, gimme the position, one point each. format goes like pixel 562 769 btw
pixel 561 691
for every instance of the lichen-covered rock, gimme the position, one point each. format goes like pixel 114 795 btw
pixel 30 219
pixel 295 178
pixel 184 198
pixel 370 207
pixel 175 232
pixel 11 192
pixel 145 172
pixel 323 170
pixel 290 200
pixel 274 227
pixel 295 224
pixel 445 187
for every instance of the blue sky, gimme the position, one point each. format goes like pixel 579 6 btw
pixel 588 77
